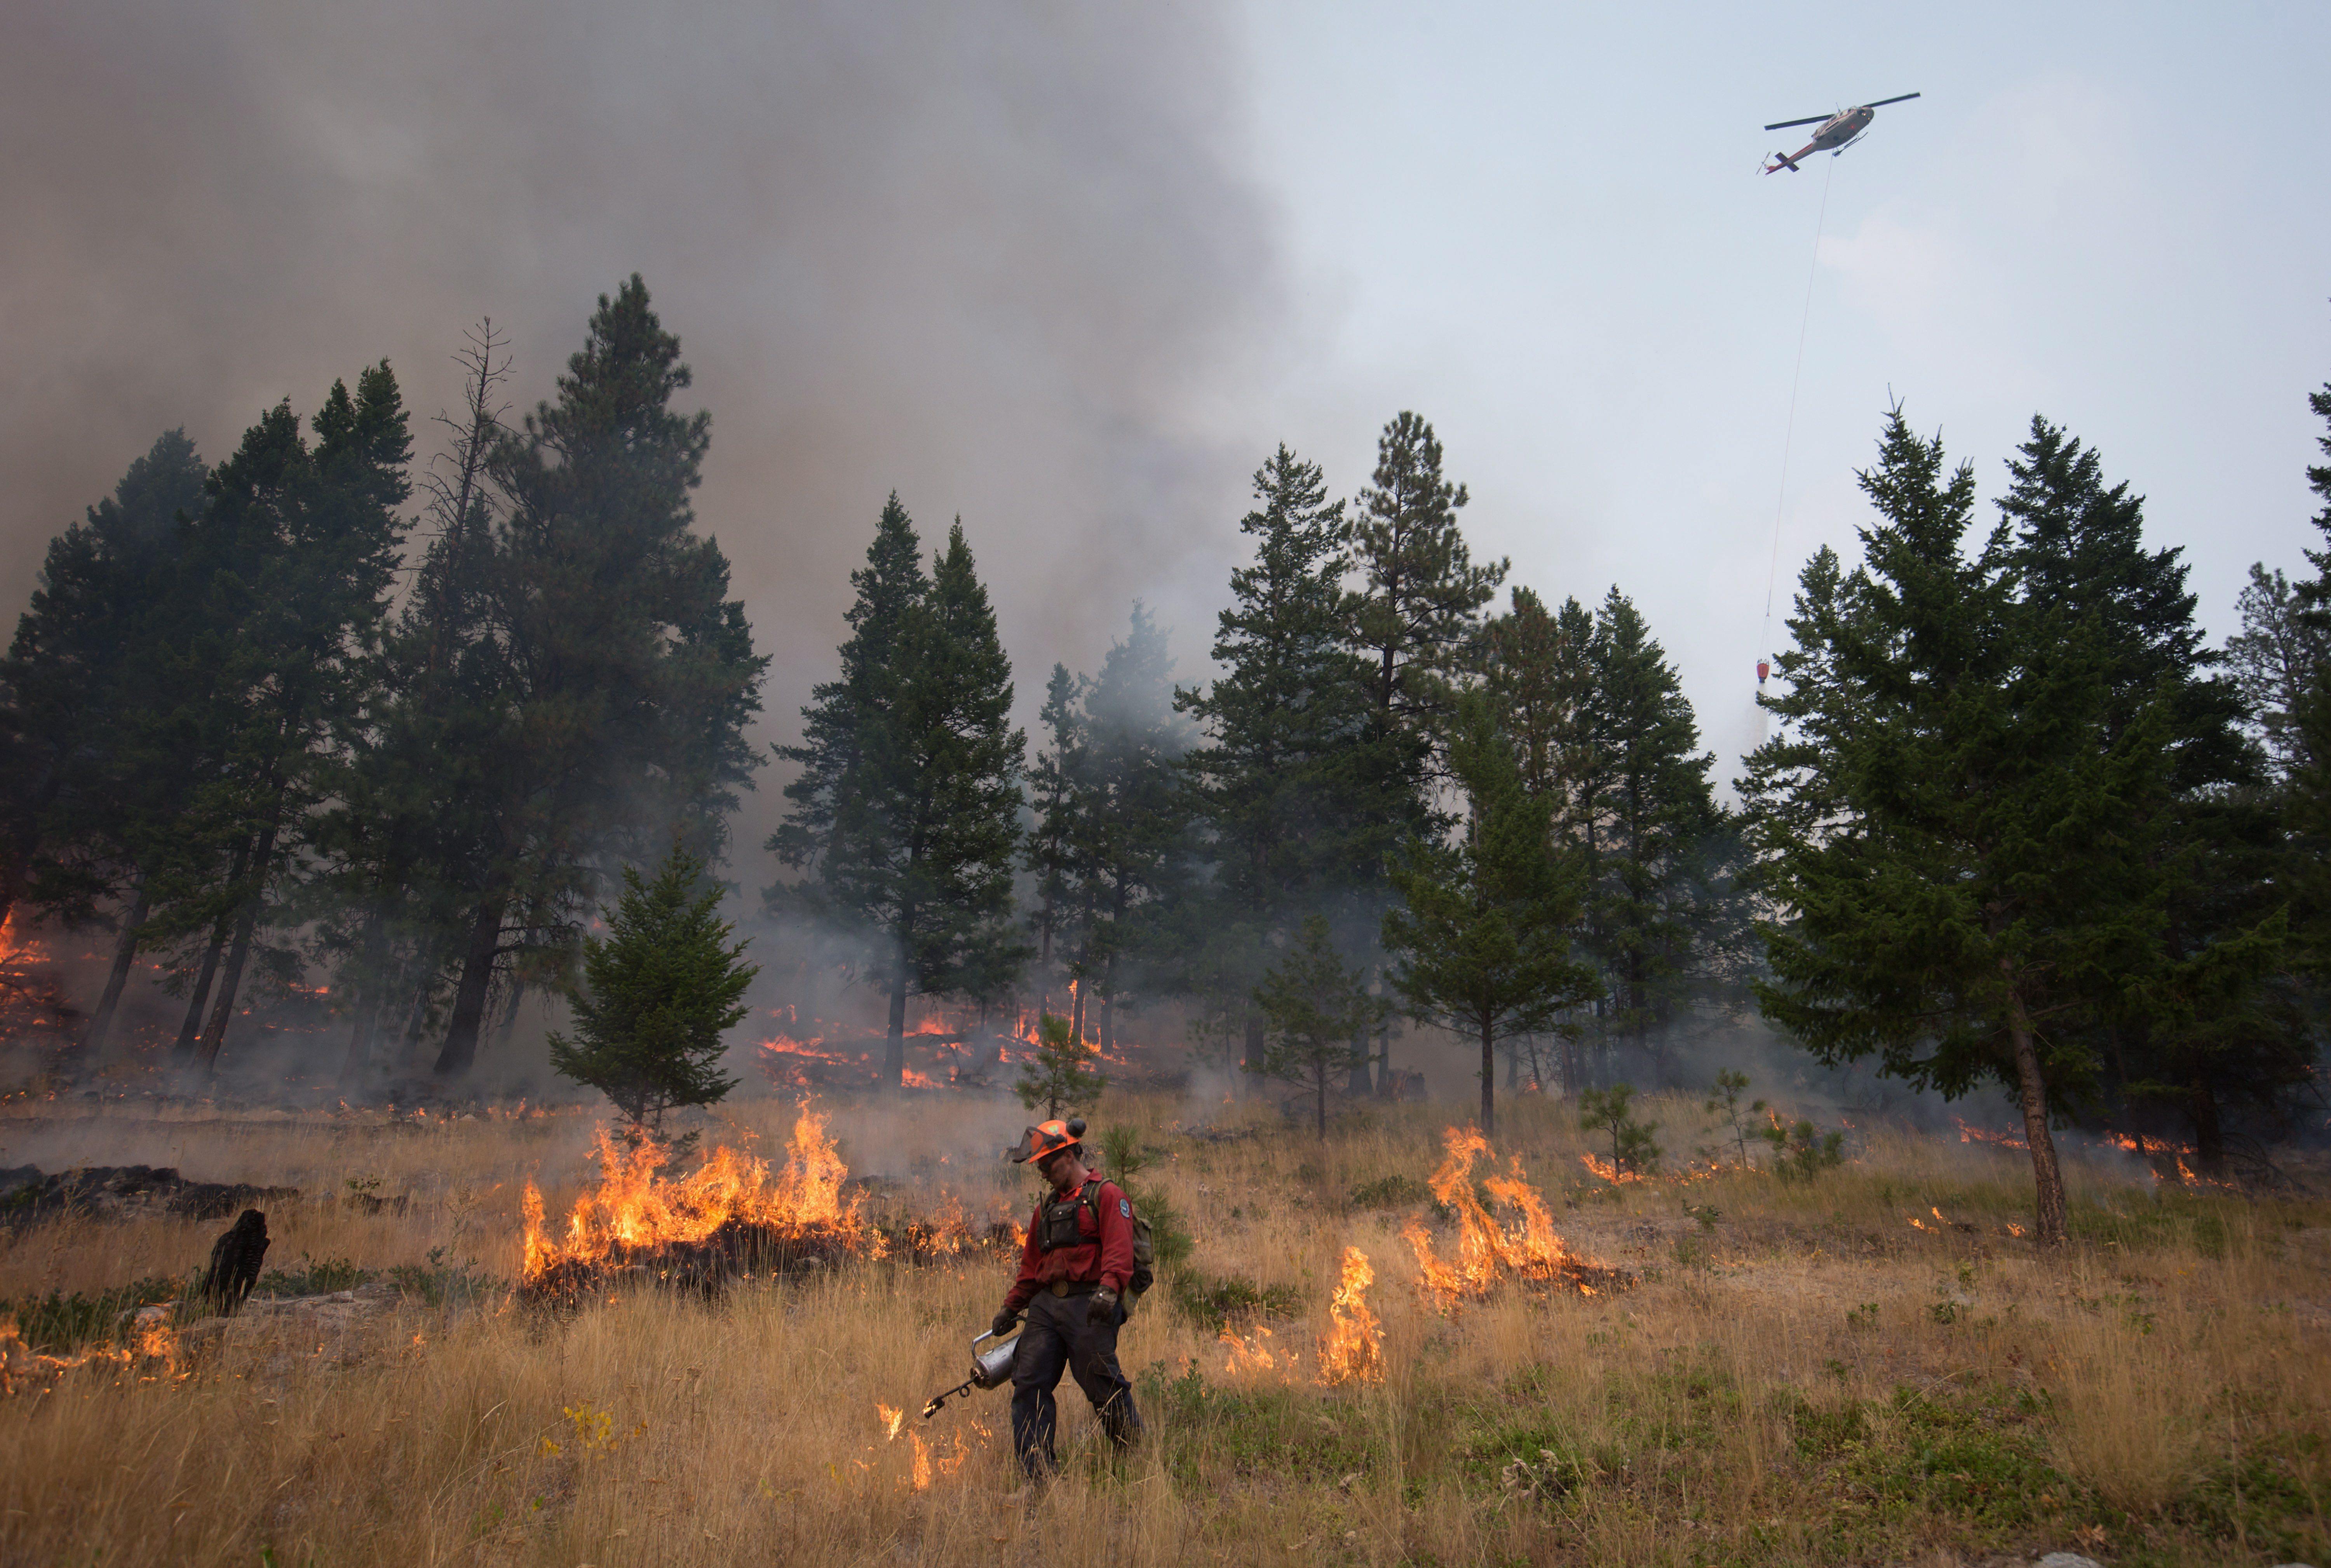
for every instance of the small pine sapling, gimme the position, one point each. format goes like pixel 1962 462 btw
pixel 1803 1152
pixel 1611 1110
pixel 1059 1072
pixel 1729 1087
pixel 658 990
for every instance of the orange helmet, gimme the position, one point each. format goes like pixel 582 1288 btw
pixel 1046 1138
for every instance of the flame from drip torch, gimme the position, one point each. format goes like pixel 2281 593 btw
pixel 1352 1351
pixel 1485 1249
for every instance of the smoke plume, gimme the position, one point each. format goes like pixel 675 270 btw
pixel 1001 256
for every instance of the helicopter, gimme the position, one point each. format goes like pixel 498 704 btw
pixel 1838 131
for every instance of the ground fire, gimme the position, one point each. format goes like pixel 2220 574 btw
pixel 1352 1351
pixel 1488 1251
pixel 729 1218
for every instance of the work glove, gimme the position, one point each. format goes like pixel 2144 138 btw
pixel 1100 1309
pixel 1002 1323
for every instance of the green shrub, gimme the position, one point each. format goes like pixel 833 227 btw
pixel 1803 1152
pixel 1398 1191
pixel 314 1276
pixel 1212 1303
pixel 57 1324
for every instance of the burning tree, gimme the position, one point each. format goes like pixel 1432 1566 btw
pixel 660 989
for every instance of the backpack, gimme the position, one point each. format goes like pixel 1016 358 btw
pixel 1145 1253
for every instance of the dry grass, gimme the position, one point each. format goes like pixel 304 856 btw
pixel 1801 1376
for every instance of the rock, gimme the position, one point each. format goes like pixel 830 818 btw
pixel 126 1192
pixel 270 1335
pixel 2069 1560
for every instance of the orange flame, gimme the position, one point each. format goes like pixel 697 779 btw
pixel 1352 1351
pixel 1596 1165
pixel 155 1353
pixel 1484 1247
pixel 892 1420
pixel 1968 1134
pixel 635 1207
pixel 1253 1354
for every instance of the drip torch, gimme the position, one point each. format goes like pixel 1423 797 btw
pixel 992 1369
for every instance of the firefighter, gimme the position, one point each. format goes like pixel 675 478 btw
pixel 1073 1272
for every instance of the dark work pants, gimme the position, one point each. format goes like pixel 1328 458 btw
pixel 1056 1337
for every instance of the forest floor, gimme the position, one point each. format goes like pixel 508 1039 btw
pixel 1867 1367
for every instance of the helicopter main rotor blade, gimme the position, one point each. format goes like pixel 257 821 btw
pixel 1884 102
pixel 1808 120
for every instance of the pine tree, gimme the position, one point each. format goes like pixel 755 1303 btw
pixel 1056 839
pixel 90 801
pixel 1483 934
pixel 629 673
pixel 2272 659
pixel 1133 813
pixel 1418 618
pixel 1303 787
pixel 1652 826
pixel 1938 821
pixel 1058 1073
pixel 302 550
pixel 926 825
pixel 2204 1022
pixel 1316 1015
pixel 842 713
pixel 411 814
pixel 658 992
pixel 2306 803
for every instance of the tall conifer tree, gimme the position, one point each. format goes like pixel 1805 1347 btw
pixel 1304 786
pixel 631 675
pixel 1939 820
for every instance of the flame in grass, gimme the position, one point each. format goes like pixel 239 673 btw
pixel 918 1472
pixel 1254 1354
pixel 1598 1166
pixel 152 1353
pixel 636 1209
pixel 1352 1351
pixel 1487 1251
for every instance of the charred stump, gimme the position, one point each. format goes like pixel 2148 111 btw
pixel 235 1261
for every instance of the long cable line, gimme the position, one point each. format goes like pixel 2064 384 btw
pixel 1772 578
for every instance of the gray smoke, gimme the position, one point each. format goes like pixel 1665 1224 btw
pixel 1002 257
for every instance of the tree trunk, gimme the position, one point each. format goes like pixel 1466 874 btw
pixel 359 1058
pixel 485 944
pixel 1252 1065
pixel 894 1047
pixel 125 953
pixel 2209 1132
pixel 245 924
pixel 510 1015
pixel 1359 1083
pixel 416 1012
pixel 1489 1082
pixel 372 985
pixel 2047 1178
pixel 1077 1009
pixel 183 1048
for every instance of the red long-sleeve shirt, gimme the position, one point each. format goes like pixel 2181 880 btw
pixel 1105 1256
